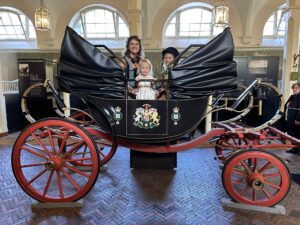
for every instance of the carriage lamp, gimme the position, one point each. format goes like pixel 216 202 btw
pixel 42 18
pixel 221 14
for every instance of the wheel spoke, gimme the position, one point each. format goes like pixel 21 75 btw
pixel 70 179
pixel 76 170
pixel 41 144
pixel 77 146
pixel 247 167
pixel 31 165
pixel 40 150
pixel 51 141
pixel 37 176
pixel 77 159
pixel 101 153
pixel 267 193
pixel 238 181
pixel 272 185
pixel 238 172
pixel 264 167
pixel 84 151
pixel 35 153
pixel 61 192
pixel 254 195
pixel 63 142
pixel 48 183
pixel 271 175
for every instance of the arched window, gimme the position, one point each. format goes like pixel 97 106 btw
pixel 274 30
pixel 16 29
pixel 101 24
pixel 189 24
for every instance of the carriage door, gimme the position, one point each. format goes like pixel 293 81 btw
pixel 146 117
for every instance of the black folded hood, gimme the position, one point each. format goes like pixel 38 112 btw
pixel 84 69
pixel 208 70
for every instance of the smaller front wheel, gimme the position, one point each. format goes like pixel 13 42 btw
pixel 256 177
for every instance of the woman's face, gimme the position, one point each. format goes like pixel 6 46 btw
pixel 134 47
pixel 168 58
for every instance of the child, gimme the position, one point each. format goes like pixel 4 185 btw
pixel 145 90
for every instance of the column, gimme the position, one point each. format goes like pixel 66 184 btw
pixel 291 46
pixel 135 17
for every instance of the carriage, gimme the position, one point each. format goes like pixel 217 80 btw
pixel 58 160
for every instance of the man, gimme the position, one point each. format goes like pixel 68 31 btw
pixel 293 115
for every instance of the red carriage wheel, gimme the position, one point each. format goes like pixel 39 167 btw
pixel 43 157
pixel 83 116
pixel 256 177
pixel 106 148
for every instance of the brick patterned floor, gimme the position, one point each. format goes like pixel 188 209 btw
pixel 189 195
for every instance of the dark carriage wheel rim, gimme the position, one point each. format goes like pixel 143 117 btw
pixel 47 175
pixel 256 177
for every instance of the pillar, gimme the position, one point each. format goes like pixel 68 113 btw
pixel 135 17
pixel 291 46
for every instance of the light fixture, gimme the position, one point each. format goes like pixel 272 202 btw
pixel 221 14
pixel 42 18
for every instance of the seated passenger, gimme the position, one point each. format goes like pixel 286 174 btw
pixel 145 81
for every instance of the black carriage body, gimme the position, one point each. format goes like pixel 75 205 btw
pixel 98 79
pixel 147 120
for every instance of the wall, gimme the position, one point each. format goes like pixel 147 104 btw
pixel 247 18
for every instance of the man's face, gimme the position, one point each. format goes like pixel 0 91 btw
pixel 296 89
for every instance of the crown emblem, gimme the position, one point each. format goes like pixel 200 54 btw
pixel 118 109
pixel 175 109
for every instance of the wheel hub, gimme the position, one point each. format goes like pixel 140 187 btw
pixel 55 163
pixel 256 181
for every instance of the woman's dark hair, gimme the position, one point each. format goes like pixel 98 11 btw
pixel 139 54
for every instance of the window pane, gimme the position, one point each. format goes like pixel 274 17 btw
pixel 173 20
pixel 269 28
pixel 206 16
pixel 90 16
pixel 90 28
pixel 194 26
pixel 99 14
pixel 10 30
pixel 123 30
pixel 5 19
pixel 2 30
pixel 15 19
pixel 108 17
pixel 170 32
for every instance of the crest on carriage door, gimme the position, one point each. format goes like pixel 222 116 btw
pixel 146 117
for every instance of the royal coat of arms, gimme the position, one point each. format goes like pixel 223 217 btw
pixel 146 117
pixel 118 115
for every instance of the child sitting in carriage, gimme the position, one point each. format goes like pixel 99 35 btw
pixel 145 81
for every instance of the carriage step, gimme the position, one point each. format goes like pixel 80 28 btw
pixel 277 209
pixel 35 205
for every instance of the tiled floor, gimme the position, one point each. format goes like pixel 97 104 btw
pixel 189 195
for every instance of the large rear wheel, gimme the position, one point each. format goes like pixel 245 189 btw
pixel 43 159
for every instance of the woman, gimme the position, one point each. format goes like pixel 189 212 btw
pixel 132 56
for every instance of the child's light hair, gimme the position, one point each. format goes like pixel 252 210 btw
pixel 146 61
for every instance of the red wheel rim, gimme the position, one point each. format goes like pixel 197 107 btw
pixel 42 164
pixel 256 178
pixel 81 116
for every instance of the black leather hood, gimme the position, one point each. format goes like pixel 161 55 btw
pixel 84 69
pixel 208 70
